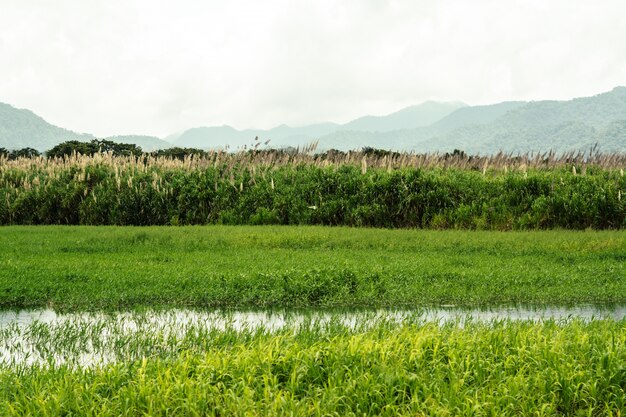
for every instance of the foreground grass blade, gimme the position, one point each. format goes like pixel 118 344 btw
pixel 498 368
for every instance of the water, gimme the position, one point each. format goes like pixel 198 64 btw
pixel 46 338
pixel 276 319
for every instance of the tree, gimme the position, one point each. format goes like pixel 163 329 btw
pixel 178 153
pixel 24 153
pixel 118 149
pixel 71 146
pixel 93 147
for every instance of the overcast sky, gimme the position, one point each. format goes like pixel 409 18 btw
pixel 157 67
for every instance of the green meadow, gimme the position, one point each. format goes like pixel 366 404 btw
pixel 123 268
pixel 120 347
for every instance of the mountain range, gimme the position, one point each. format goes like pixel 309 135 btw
pixel 513 126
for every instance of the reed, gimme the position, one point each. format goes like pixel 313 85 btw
pixel 500 192
pixel 373 158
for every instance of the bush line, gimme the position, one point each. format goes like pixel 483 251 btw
pixel 109 190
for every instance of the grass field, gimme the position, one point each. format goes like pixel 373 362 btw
pixel 502 368
pixel 117 360
pixel 90 268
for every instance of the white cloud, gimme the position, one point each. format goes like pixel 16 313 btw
pixel 156 67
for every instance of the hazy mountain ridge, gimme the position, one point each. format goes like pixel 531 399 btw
pixel 562 126
pixel 283 135
pixel 21 128
pixel 513 126
pixel 475 115
pixel 542 125
pixel 411 117
pixel 147 143
pixel 222 136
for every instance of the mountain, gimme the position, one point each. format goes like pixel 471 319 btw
pixel 222 136
pixel 411 117
pixel 561 126
pixel 543 125
pixel 513 126
pixel 147 143
pixel 210 137
pixel 475 115
pixel 283 135
pixel 596 111
pixel 21 128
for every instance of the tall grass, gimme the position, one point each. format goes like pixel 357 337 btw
pixel 357 189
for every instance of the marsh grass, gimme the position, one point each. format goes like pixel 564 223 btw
pixel 569 367
pixel 97 339
pixel 504 192
pixel 124 268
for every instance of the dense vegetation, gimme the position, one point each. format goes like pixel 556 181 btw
pixel 134 363
pixel 77 268
pixel 355 189
pixel 93 147
pixel 110 364
pixel 502 368
pixel 19 153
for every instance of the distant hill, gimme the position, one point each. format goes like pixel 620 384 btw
pixel 408 118
pixel 596 111
pixel 21 128
pixel 474 115
pixel 283 135
pixel 513 126
pixel 542 125
pixel 561 126
pixel 147 143
pixel 222 136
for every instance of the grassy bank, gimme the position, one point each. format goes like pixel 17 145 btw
pixel 88 268
pixel 503 368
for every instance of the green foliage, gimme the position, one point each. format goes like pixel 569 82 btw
pixel 72 146
pixel 20 153
pixel 178 153
pixel 135 193
pixel 90 148
pixel 261 266
pixel 502 368
pixel 379 153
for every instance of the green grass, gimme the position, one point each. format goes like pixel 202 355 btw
pixel 91 268
pixel 499 368
pixel 128 364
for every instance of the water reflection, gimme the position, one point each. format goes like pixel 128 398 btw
pixel 278 318
pixel 46 338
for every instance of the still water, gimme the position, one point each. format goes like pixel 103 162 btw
pixel 276 319
pixel 46 338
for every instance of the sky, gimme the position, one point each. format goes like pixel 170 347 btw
pixel 112 67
